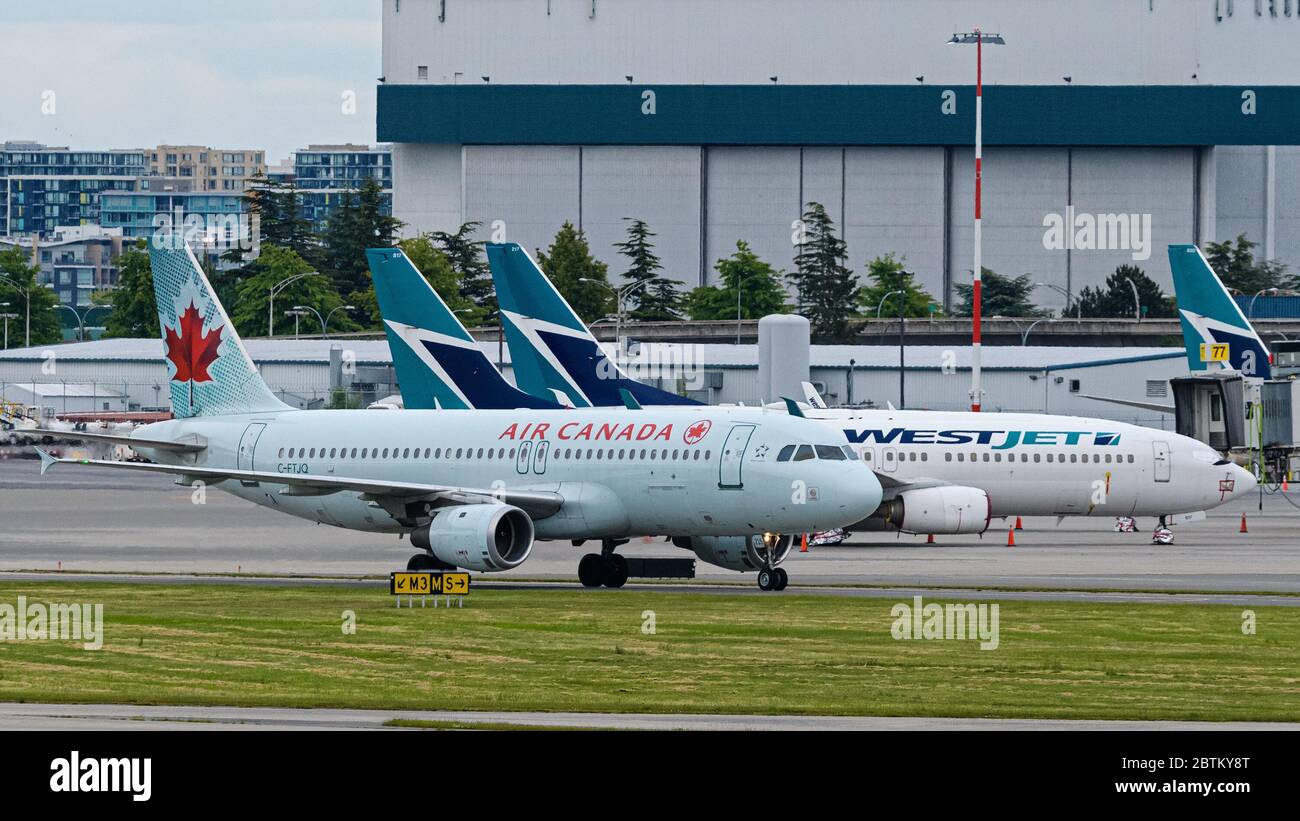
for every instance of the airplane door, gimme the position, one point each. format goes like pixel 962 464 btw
pixel 1161 454
pixel 889 460
pixel 733 452
pixel 539 461
pixel 525 451
pixel 247 444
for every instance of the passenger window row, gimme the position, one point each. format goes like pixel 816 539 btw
pixel 1074 458
pixel 607 454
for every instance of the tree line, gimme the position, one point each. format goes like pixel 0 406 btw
pixel 822 285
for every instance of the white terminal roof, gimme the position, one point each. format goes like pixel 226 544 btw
pixel 375 352
pixel 58 390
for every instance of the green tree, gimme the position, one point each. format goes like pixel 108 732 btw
pixel 1000 296
pixel 470 267
pixel 135 312
pixel 274 265
pixel 1116 298
pixel 1236 265
pixel 568 262
pixel 278 211
pixel 356 224
pixel 657 298
pixel 827 288
pixel 758 283
pixel 889 274
pixel 22 284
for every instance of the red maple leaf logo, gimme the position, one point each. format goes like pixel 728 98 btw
pixel 697 431
pixel 190 351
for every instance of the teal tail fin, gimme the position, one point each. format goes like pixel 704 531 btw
pixel 438 364
pixel 210 372
pixel 1216 334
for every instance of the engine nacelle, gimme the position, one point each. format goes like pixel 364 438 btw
pixel 486 537
pixel 736 552
pixel 939 510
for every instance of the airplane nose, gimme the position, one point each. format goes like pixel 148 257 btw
pixel 1243 481
pixel 864 492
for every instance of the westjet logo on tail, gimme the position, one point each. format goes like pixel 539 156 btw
pixel 999 439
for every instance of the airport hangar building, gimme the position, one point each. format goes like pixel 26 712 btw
pixel 715 121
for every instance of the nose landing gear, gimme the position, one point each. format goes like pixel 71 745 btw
pixel 772 550
pixel 605 568
pixel 773 578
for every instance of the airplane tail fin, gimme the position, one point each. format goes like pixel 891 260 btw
pixel 550 347
pixel 1216 334
pixel 438 364
pixel 210 372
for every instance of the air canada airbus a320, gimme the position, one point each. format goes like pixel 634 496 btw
pixel 473 488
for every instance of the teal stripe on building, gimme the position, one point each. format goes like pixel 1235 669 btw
pixel 837 115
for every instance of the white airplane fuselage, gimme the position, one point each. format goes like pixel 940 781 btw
pixel 1036 464
pixel 621 473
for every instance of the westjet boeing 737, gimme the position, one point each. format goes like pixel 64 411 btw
pixel 942 472
pixel 473 488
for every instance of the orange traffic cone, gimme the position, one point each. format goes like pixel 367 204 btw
pixel 803 548
pixel 1019 526
pixel 1243 524
pixel 1011 537
pixel 929 539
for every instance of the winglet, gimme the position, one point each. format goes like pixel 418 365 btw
pixel 792 406
pixel 47 461
pixel 629 401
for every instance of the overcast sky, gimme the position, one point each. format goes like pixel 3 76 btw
pixel 268 74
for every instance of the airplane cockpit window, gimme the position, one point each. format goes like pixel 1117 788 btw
pixel 830 452
pixel 850 453
pixel 804 453
pixel 785 454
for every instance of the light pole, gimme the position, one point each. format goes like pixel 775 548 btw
pixel 1251 309
pixel 620 296
pixel 27 298
pixel 81 327
pixel 321 319
pixel 979 38
pixel 1137 301
pixel 277 288
pixel 331 313
pixel 902 337
pixel 1024 338
pixel 296 314
pixel 1068 299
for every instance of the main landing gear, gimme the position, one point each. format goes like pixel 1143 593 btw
pixel 605 568
pixel 421 562
pixel 1162 534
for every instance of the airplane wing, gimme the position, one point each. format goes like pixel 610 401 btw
pixel 891 486
pixel 130 441
pixel 1133 403
pixel 538 504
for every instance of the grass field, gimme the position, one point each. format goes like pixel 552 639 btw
pixel 585 650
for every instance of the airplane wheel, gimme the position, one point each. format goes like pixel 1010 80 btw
pixel 766 579
pixel 420 561
pixel 782 578
pixel 616 571
pixel 591 570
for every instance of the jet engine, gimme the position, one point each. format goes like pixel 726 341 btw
pixel 939 510
pixel 737 552
pixel 485 537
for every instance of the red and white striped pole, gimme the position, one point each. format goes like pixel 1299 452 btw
pixel 976 294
